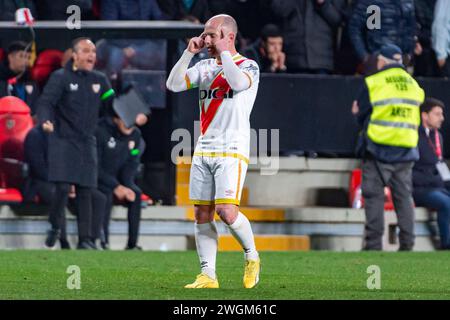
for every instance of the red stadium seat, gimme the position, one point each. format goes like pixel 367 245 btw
pixel 10 195
pixel 46 62
pixel 15 122
pixel 356 199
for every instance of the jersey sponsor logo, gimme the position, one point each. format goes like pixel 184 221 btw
pixel 222 90
pixel 74 87
pixel 29 88
pixel 96 87
pixel 112 143
pixel 219 93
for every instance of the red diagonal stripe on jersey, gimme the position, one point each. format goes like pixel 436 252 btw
pixel 207 117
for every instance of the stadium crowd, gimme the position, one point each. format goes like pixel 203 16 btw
pixel 317 36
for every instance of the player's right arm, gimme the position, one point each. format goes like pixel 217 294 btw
pixel 181 78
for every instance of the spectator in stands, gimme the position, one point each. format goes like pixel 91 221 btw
pixel 425 63
pixel 309 32
pixel 346 61
pixel 251 17
pixel 115 55
pixel 8 8
pixel 430 173
pixel 440 35
pixel 37 184
pixel 388 145
pixel 57 10
pixel 119 152
pixel 178 9
pixel 14 75
pixel 397 25
pixel 268 50
pixel 130 10
pixel 218 6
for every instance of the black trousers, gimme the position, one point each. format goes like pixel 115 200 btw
pixel 83 203
pixel 46 191
pixel 134 216
pixel 98 201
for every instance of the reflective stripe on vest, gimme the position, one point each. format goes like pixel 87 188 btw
pixel 395 97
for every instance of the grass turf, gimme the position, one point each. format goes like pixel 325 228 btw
pixel 162 275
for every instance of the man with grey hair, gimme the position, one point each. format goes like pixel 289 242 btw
pixel 228 83
pixel 388 112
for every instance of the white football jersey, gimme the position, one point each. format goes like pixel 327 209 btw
pixel 224 113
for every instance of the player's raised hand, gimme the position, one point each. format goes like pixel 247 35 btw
pixel 222 44
pixel 196 44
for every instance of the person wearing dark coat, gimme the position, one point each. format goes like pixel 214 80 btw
pixel 68 111
pixel 119 152
pixel 57 10
pixel 397 25
pixel 37 184
pixel 179 9
pixel 37 187
pixel 309 31
pixel 429 188
pixel 267 51
pixel 14 75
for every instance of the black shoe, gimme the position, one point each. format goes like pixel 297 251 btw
pixel 133 248
pixel 65 245
pixel 52 236
pixel 84 245
pixel 92 244
pixel 104 245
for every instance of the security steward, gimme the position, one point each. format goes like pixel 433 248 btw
pixel 388 109
pixel 68 111
pixel 119 151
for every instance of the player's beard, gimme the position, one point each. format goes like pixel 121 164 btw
pixel 212 52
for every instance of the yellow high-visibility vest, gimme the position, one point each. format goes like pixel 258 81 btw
pixel 396 98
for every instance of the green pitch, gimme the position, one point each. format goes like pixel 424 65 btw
pixel 162 275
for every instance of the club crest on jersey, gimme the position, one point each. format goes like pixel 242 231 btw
pixel 218 93
pixel 131 144
pixel 29 88
pixel 112 143
pixel 96 87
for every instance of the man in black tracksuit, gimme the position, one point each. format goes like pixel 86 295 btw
pixel 119 151
pixel 68 111
pixel 37 184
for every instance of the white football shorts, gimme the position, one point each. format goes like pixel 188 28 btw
pixel 217 178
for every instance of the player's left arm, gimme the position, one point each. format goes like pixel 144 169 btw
pixel 239 77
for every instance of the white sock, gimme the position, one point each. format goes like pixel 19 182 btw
pixel 206 238
pixel 243 233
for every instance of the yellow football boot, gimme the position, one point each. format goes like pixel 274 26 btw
pixel 251 273
pixel 203 281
